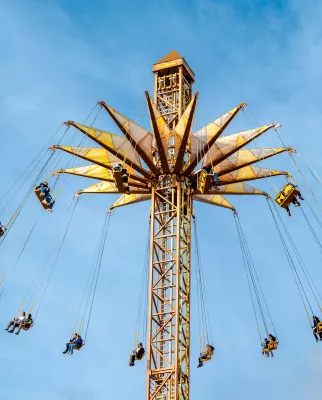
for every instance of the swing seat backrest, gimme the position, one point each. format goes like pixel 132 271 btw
pixel 206 356
pixel 41 199
pixel 286 195
pixel 273 345
pixel 318 328
pixel 27 327
pixel 141 357
pixel 205 182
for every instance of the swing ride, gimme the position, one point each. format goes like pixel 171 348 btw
pixel 172 167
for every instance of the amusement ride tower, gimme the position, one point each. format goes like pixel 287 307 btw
pixel 172 167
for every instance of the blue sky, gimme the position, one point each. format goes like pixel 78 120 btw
pixel 57 60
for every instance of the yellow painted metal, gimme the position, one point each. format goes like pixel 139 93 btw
pixel 205 182
pixel 168 349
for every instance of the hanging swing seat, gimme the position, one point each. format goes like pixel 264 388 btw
pixel 271 346
pixel 79 348
pixel 207 355
pixel 318 328
pixel 27 327
pixel 137 357
pixel 41 199
pixel 140 357
pixel 285 197
pixel 205 182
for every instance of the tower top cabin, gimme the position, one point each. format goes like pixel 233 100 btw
pixel 173 80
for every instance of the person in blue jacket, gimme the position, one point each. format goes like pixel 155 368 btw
pixel 75 342
pixel 45 192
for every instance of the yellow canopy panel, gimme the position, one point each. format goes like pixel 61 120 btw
pixel 161 124
pixel 248 174
pixel 141 137
pixel 210 133
pixel 120 146
pixel 101 187
pixel 228 145
pixel 90 171
pixel 215 200
pixel 109 188
pixel 245 157
pixel 238 188
pixel 95 155
pixel 180 129
pixel 127 199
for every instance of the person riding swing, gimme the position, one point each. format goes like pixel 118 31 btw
pixel 45 193
pixel 25 325
pixel 206 355
pixel 137 354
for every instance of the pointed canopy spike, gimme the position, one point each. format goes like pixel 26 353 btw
pixel 127 199
pixel 99 188
pixel 108 188
pixel 95 155
pixel 98 156
pixel 117 145
pixel 160 130
pixel 215 200
pixel 90 171
pixel 226 146
pixel 202 140
pixel 247 174
pixel 182 133
pixel 140 138
pixel 238 189
pixel 243 158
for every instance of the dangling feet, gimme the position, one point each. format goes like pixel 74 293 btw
pixel 131 364
pixel 300 197
pixel 17 333
pixel 200 364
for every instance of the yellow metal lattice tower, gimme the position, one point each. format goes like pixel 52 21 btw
pixel 169 293
pixel 172 167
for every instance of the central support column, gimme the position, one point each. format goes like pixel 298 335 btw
pixel 169 298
